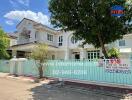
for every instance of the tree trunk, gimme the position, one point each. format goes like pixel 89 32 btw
pixel 102 46
pixel 40 68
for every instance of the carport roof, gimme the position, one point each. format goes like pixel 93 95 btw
pixel 29 46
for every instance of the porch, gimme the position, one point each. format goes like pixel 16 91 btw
pixel 55 53
pixel 22 50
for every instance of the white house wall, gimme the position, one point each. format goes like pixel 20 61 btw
pixel 67 46
pixel 29 26
pixel 13 41
pixel 42 36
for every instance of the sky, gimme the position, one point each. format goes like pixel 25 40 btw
pixel 13 11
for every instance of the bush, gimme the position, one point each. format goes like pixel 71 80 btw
pixel 113 53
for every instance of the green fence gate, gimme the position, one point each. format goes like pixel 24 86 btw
pixel 108 71
pixel 97 71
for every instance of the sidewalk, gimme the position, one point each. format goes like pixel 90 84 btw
pixel 3 75
pixel 30 79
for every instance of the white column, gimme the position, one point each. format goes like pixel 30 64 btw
pixel 82 54
pixel 66 54
pixel 73 56
pixel 14 53
pixel 19 65
pixel 13 65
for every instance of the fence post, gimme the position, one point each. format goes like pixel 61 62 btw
pixel 20 67
pixel 13 65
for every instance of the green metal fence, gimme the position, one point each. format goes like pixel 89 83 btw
pixel 87 70
pixel 4 66
pixel 30 68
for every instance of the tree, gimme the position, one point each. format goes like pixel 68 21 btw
pixel 4 44
pixel 39 54
pixel 91 20
pixel 113 53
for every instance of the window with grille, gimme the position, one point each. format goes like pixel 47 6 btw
pixel 60 40
pixel 73 40
pixel 49 37
pixel 93 54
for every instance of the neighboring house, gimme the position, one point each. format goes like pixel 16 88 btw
pixel 61 45
pixel 13 41
pixel 125 46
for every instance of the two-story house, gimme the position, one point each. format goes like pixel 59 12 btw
pixel 61 45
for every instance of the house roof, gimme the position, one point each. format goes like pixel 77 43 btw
pixel 129 34
pixel 29 47
pixel 23 20
pixel 11 36
pixel 36 23
pixel 29 44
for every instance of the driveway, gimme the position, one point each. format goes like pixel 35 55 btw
pixel 12 89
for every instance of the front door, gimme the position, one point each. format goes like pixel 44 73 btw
pixel 77 56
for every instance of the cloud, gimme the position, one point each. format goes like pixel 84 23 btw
pixel 24 2
pixel 14 4
pixel 19 15
pixel 17 3
pixel 9 22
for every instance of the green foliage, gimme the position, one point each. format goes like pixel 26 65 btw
pixel 39 54
pixel 90 20
pixel 113 53
pixel 4 44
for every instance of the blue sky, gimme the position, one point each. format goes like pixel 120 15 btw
pixel 13 11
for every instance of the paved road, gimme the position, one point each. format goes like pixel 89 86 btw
pixel 12 89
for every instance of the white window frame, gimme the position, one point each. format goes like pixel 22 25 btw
pixel 60 43
pixel 49 37
pixel 73 40
pixel 93 54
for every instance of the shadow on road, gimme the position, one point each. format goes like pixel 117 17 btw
pixel 50 92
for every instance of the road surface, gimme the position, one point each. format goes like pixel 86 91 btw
pixel 12 89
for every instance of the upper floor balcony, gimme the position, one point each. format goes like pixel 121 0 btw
pixel 24 37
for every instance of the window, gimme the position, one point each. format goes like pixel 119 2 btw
pixel 60 40
pixel 49 37
pixel 93 54
pixel 26 33
pixel 29 25
pixel 121 42
pixel 73 40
